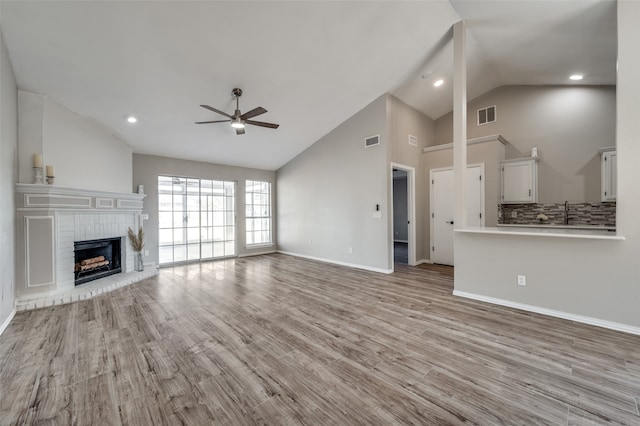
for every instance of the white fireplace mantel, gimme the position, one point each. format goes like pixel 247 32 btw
pixel 51 218
pixel 37 196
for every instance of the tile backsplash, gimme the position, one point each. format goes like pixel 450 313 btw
pixel 579 214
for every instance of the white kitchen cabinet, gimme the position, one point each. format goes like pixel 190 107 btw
pixel 519 181
pixel 609 174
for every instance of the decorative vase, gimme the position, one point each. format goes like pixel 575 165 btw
pixel 139 264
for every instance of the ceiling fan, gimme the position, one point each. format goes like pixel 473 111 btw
pixel 238 120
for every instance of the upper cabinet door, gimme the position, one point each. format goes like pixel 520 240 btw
pixel 609 171
pixel 519 181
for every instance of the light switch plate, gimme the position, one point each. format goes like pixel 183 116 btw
pixel 377 215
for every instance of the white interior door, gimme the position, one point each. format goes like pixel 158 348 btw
pixel 441 199
pixel 442 216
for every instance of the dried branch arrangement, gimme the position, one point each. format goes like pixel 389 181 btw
pixel 137 240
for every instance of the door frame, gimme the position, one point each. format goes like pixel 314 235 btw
pixel 431 202
pixel 411 212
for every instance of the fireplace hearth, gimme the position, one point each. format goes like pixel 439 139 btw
pixel 96 259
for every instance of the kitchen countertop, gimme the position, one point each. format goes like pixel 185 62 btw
pixel 591 233
pixel 543 226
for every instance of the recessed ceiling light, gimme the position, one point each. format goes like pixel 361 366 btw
pixel 576 77
pixel 130 119
pixel 438 83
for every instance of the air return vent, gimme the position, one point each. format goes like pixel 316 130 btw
pixel 372 141
pixel 487 115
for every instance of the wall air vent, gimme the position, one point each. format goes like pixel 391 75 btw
pixel 487 115
pixel 372 141
pixel 413 140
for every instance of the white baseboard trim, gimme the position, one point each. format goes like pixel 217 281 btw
pixel 257 253
pixel 551 312
pixel 337 262
pixel 421 261
pixel 6 322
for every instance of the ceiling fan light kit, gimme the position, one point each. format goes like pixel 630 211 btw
pixel 239 120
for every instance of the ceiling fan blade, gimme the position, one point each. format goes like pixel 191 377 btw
pixel 239 131
pixel 216 110
pixel 254 112
pixel 262 124
pixel 216 121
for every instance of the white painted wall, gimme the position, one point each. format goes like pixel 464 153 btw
pixel 327 195
pixel 83 153
pixel 591 278
pixel 568 124
pixel 147 168
pixel 8 178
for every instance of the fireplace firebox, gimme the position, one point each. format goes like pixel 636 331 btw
pixel 96 259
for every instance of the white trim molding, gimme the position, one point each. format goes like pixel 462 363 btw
pixel 337 262
pixel 104 203
pixel 6 322
pixel 46 240
pixel 483 139
pixel 551 312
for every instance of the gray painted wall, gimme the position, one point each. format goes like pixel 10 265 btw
pixel 327 195
pixel 405 120
pixel 83 153
pixel 147 168
pixel 568 124
pixel 8 179
pixel 593 278
pixel 400 212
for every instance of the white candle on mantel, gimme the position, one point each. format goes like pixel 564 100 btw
pixel 37 160
pixel 50 171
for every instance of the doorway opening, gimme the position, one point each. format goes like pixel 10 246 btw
pixel 403 212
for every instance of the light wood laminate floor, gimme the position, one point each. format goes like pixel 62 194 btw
pixel 281 340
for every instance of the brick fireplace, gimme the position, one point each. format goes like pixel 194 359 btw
pixel 53 219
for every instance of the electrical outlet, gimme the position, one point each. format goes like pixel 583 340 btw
pixel 350 250
pixel 146 252
pixel 309 240
pixel 514 214
pixel 522 280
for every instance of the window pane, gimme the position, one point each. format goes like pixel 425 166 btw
pixel 178 235
pixel 193 219
pixel 218 233
pixel 165 219
pixel 178 219
pixel 193 251
pixel 165 202
pixel 165 237
pixel 165 254
pixel 206 234
pixel 229 248
pixel 179 253
pixel 193 235
pixel 218 249
pixel 230 232
pixel 206 250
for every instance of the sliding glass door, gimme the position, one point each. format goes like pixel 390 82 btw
pixel 196 219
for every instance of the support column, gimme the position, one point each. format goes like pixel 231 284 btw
pixel 459 122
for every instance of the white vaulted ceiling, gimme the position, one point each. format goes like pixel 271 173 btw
pixel 311 64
